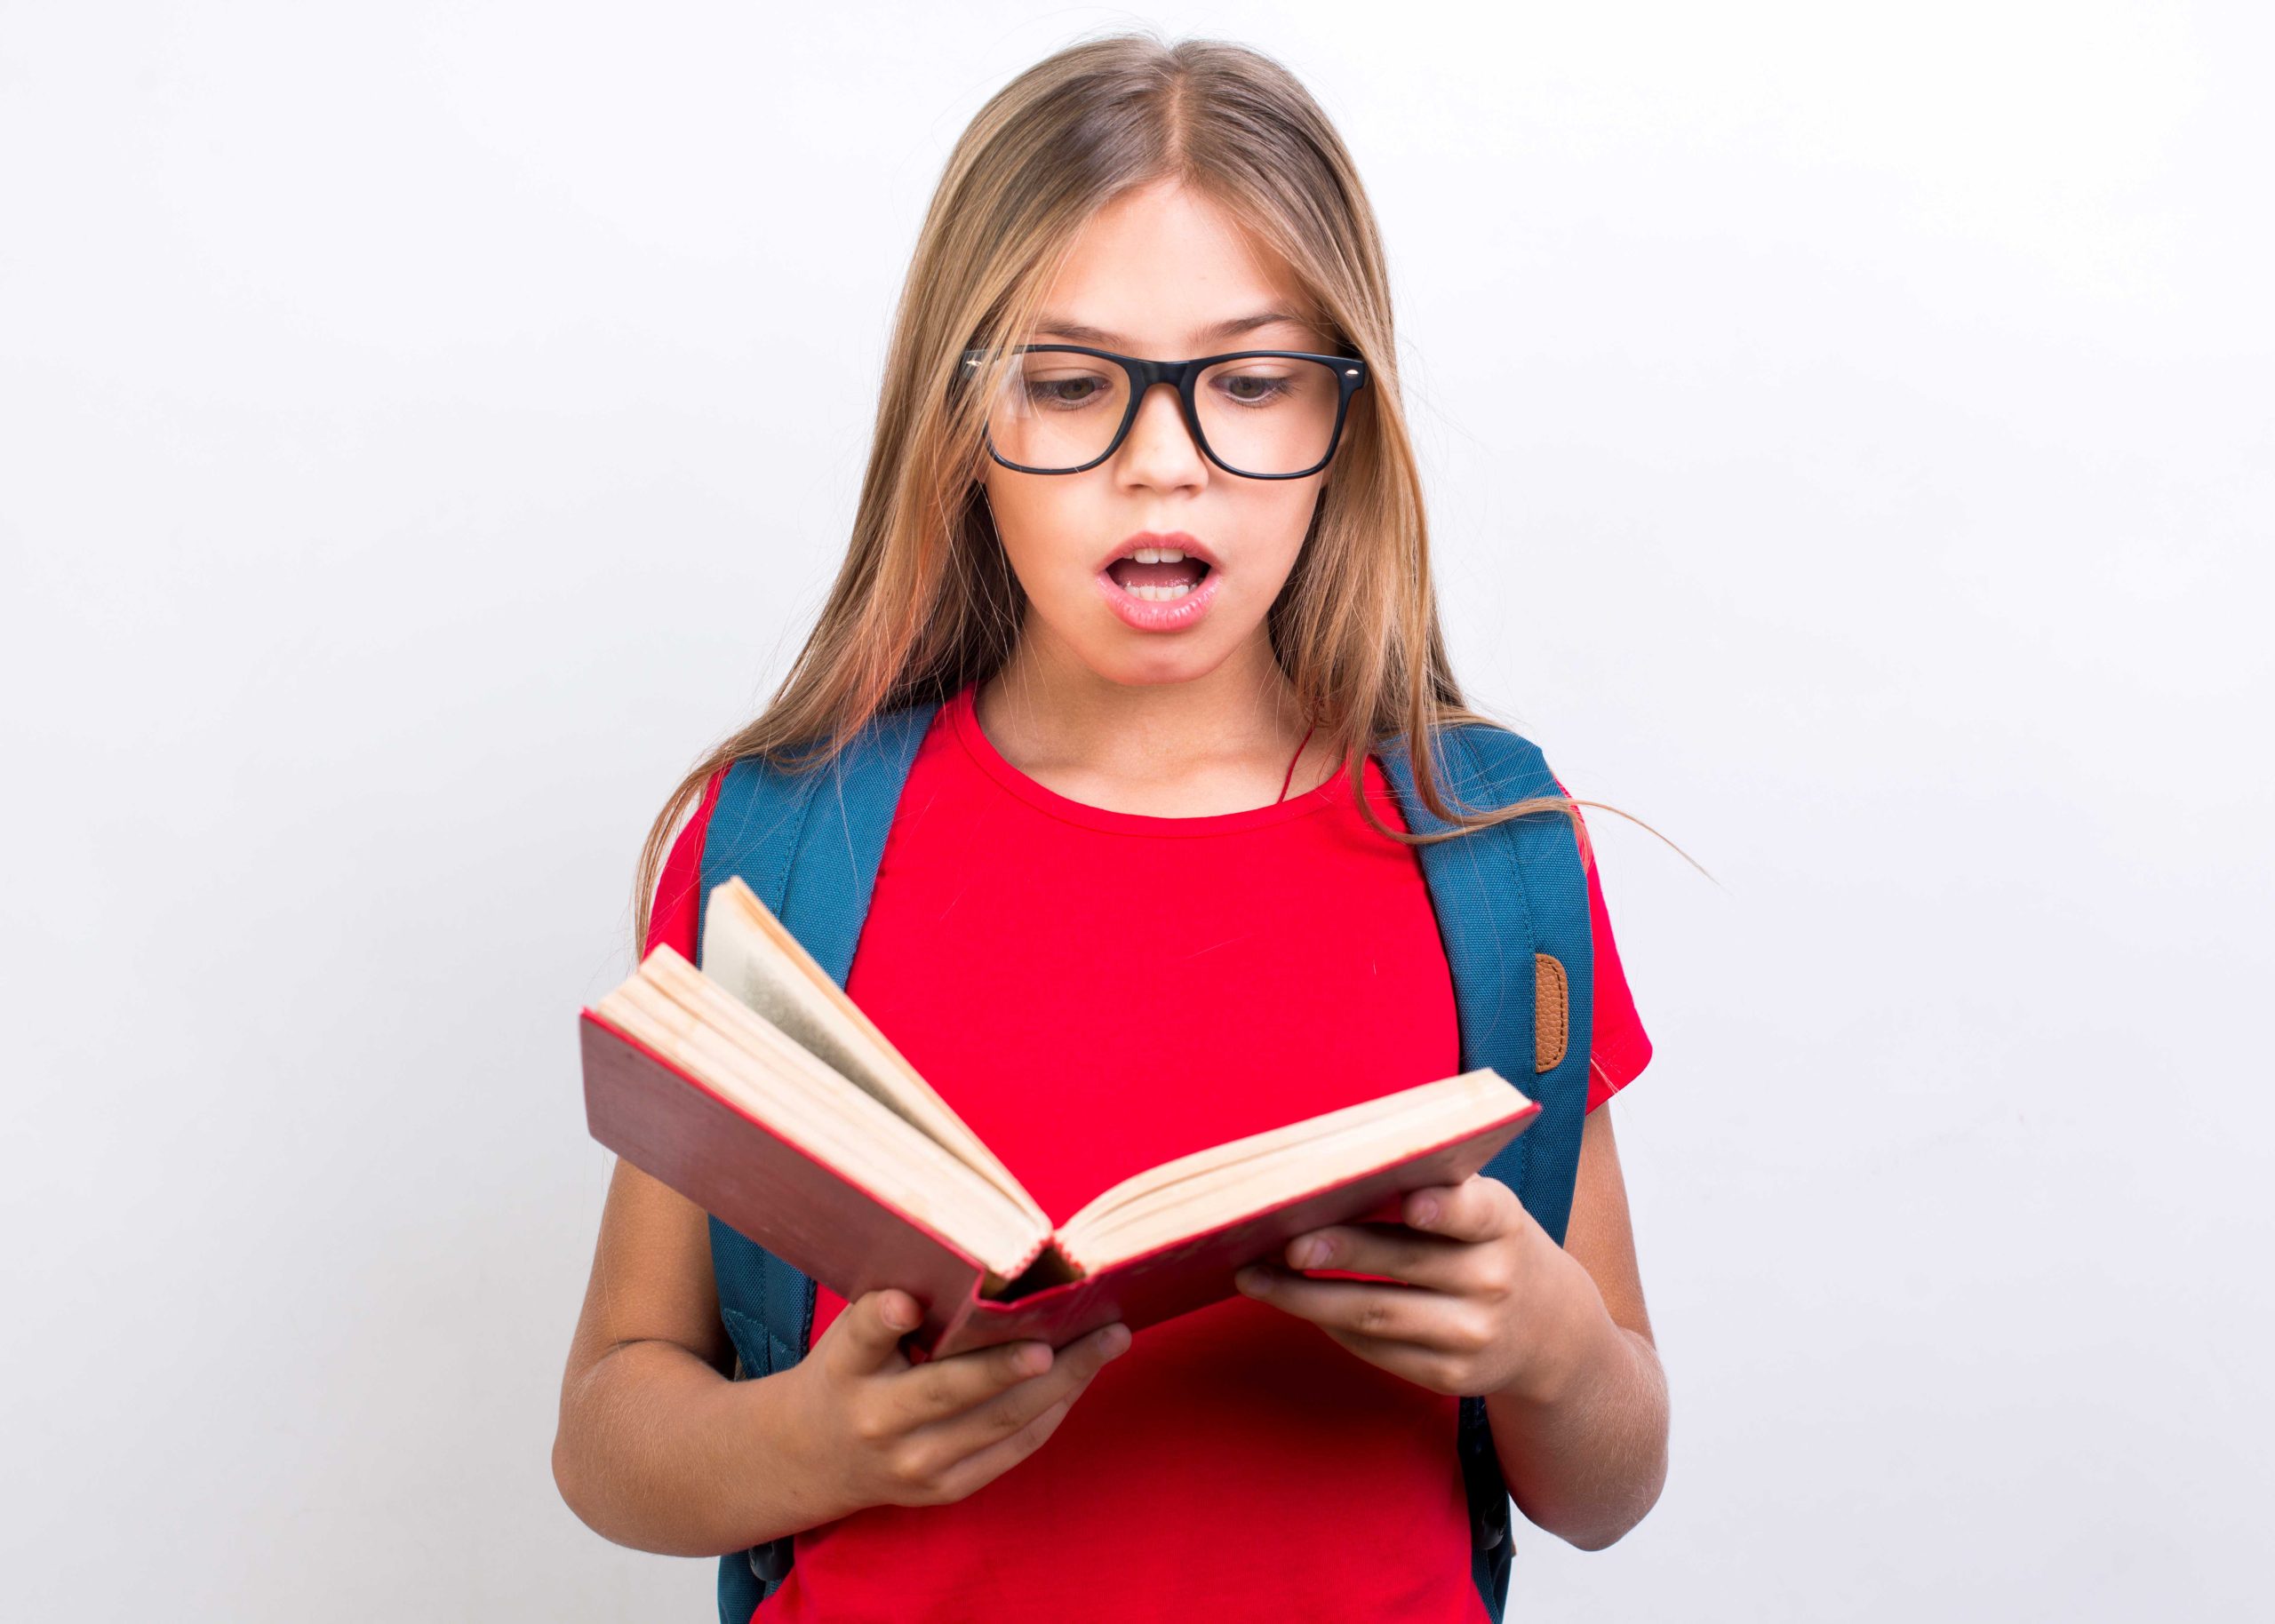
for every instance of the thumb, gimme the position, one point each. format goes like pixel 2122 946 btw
pixel 868 1333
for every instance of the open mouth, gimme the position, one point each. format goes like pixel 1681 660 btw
pixel 1157 575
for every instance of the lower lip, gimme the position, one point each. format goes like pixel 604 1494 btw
pixel 1145 615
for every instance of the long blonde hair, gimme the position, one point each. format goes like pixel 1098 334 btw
pixel 926 600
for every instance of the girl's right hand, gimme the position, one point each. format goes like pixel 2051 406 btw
pixel 886 1431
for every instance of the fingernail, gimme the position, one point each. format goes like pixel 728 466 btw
pixel 1424 1210
pixel 1307 1252
pixel 896 1316
pixel 1115 1339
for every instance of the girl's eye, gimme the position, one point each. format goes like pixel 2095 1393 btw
pixel 1058 393
pixel 1253 388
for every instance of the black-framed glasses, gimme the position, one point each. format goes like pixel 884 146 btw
pixel 1261 414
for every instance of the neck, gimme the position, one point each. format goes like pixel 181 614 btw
pixel 1218 742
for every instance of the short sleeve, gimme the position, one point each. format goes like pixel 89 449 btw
pixel 1618 1048
pixel 672 915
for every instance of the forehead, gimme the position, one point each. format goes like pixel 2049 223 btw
pixel 1167 271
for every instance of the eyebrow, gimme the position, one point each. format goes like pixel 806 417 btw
pixel 1081 333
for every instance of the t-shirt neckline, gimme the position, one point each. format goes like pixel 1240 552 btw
pixel 963 720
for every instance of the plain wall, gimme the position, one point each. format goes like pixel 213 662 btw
pixel 425 428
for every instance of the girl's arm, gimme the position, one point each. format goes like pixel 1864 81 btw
pixel 656 1448
pixel 659 1450
pixel 1585 1452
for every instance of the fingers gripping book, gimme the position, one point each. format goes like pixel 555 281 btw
pixel 756 1088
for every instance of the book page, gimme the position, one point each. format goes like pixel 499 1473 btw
pixel 1195 1193
pixel 752 954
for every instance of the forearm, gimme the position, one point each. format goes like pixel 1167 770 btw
pixel 659 1451
pixel 1584 1450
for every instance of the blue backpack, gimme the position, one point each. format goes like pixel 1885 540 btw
pixel 1507 899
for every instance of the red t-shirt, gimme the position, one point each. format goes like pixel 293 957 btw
pixel 1096 992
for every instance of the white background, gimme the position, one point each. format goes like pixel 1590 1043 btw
pixel 424 428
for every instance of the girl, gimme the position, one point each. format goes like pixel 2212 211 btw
pixel 1145 845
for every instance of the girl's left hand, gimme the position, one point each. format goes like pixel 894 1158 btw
pixel 1480 1299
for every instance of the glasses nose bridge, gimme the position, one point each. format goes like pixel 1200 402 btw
pixel 1144 375
pixel 1152 372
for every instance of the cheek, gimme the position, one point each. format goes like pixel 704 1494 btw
pixel 1273 533
pixel 1048 544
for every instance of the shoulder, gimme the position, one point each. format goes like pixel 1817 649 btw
pixel 672 913
pixel 1474 753
pixel 1478 765
pixel 1511 763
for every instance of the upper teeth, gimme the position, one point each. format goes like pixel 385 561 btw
pixel 1156 555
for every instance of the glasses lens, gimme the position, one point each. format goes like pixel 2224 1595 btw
pixel 1268 414
pixel 1053 409
pixel 1056 410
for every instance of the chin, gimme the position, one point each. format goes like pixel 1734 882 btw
pixel 1153 662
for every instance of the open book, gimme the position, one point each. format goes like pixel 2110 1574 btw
pixel 758 1090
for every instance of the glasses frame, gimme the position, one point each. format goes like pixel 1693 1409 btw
pixel 1183 376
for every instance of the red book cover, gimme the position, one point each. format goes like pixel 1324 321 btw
pixel 854 1240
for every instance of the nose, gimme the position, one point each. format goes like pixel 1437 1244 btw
pixel 1160 448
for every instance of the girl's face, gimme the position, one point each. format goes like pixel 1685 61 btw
pixel 1163 273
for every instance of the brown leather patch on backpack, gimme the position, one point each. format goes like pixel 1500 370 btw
pixel 1552 1012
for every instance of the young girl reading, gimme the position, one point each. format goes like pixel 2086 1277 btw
pixel 1142 517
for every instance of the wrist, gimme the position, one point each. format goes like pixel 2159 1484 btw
pixel 798 1475
pixel 1571 1343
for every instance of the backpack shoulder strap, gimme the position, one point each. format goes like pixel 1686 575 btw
pixel 1506 897
pixel 1511 904
pixel 824 829
pixel 808 844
